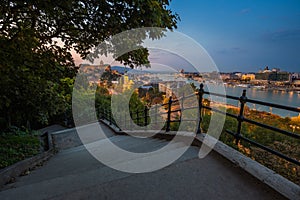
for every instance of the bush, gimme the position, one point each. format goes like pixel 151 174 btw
pixel 17 145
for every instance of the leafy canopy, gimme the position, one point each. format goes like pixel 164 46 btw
pixel 81 25
pixel 36 69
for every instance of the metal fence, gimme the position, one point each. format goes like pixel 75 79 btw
pixel 142 117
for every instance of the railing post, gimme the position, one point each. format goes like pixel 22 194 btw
pixel 243 100
pixel 200 99
pixel 169 114
pixel 120 119
pixel 99 114
pixel 155 116
pixel 104 113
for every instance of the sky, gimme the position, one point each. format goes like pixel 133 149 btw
pixel 238 35
pixel 244 35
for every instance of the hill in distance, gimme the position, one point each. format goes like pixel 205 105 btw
pixel 122 70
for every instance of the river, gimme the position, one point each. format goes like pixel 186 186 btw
pixel 291 99
pixel 272 96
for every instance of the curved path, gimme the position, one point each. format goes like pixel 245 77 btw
pixel 75 174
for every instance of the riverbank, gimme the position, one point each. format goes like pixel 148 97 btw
pixel 229 106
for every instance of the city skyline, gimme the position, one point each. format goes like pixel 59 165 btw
pixel 244 35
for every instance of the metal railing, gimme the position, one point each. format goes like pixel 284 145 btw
pixel 142 117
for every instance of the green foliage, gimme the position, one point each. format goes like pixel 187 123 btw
pixel 83 25
pixel 103 103
pixel 83 104
pixel 135 103
pixel 36 38
pixel 277 141
pixel 31 77
pixel 102 100
pixel 17 145
pixel 174 126
pixel 151 96
pixel 108 77
pixel 193 86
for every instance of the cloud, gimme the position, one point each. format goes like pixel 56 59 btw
pixel 263 17
pixel 231 50
pixel 169 59
pixel 245 11
pixel 283 34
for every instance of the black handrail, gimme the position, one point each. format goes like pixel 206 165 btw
pixel 145 115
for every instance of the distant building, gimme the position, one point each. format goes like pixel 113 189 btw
pixel 90 69
pixel 239 74
pixel 248 77
pixel 275 70
pixel 295 76
pixel 168 87
pixel 273 76
pixel 266 70
pixel 215 75
pixel 225 76
pixel 127 83
pixel 296 83
pixel 234 76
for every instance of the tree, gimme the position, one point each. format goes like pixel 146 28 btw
pixel 30 75
pixel 82 25
pixel 33 62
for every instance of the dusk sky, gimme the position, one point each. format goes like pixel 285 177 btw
pixel 244 35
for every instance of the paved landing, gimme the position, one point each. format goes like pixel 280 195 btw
pixel 75 174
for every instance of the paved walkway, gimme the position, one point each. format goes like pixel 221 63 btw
pixel 52 128
pixel 75 174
